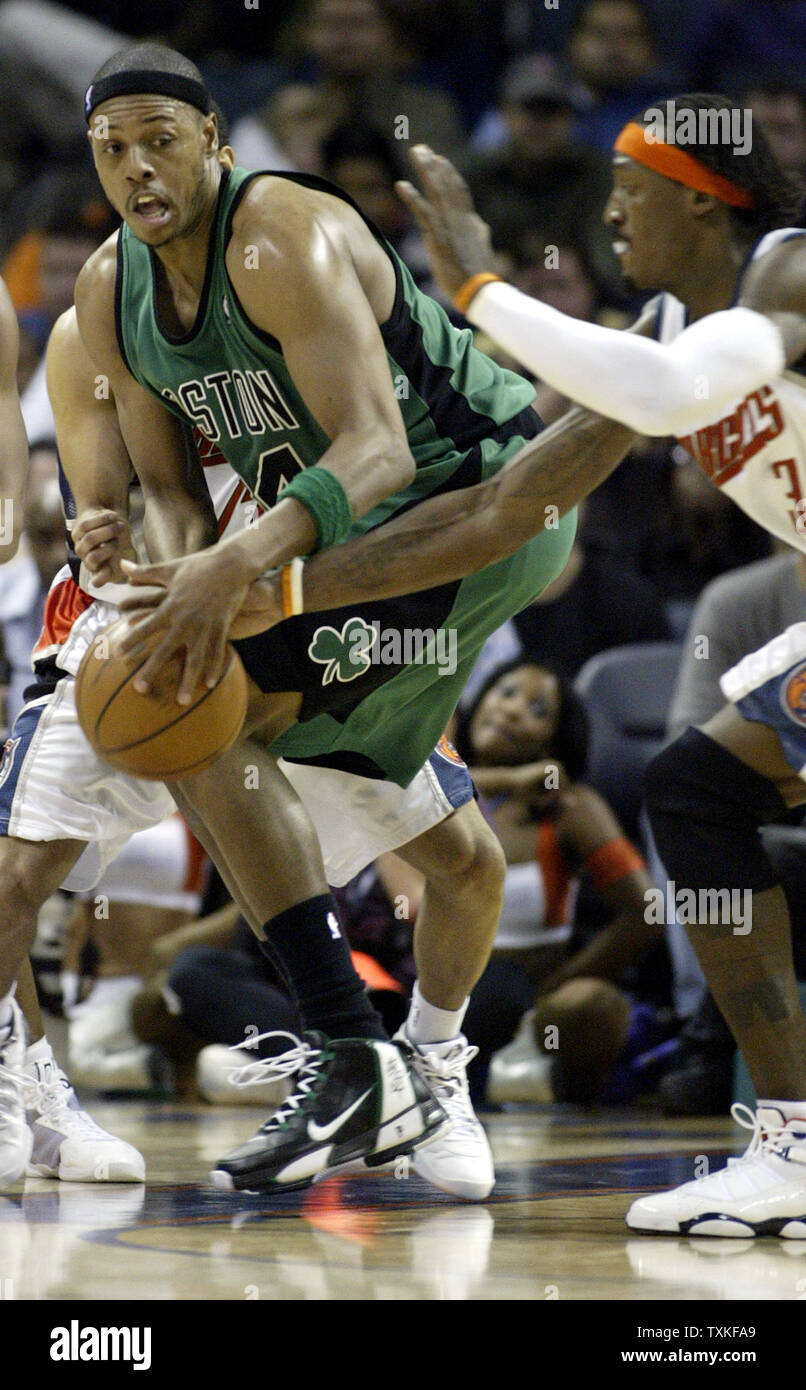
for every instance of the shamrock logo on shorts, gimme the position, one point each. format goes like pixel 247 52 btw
pixel 344 654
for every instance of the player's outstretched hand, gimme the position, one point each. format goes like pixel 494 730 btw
pixel 101 539
pixel 191 604
pixel 458 241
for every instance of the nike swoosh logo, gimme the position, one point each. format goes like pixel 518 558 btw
pixel 320 1132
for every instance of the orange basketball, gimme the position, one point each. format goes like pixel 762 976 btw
pixel 151 735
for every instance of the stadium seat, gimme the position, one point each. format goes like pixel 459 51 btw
pixel 627 692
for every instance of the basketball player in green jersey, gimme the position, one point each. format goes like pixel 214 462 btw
pixel 250 306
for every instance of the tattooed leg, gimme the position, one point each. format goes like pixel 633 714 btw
pixel 707 796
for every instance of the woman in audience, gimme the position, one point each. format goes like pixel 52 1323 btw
pixel 525 738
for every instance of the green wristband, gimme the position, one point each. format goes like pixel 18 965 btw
pixel 321 492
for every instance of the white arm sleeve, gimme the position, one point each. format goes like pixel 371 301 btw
pixel 654 388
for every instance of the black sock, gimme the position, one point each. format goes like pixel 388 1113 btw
pixel 314 956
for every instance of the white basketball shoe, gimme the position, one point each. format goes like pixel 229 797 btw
pixel 763 1193
pixel 15 1136
pixel 459 1159
pixel 67 1143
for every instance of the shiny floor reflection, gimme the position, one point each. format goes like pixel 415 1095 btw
pixel 553 1228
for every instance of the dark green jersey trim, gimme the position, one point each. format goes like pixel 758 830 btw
pixel 184 339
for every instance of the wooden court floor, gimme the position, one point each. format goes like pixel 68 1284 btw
pixel 552 1229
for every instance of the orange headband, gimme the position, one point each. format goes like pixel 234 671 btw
pixel 675 164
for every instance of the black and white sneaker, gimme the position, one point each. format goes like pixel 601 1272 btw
pixel 353 1099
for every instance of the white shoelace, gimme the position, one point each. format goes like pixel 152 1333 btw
pixel 301 1061
pixel 448 1080
pixel 764 1144
pixel 49 1096
pixel 763 1140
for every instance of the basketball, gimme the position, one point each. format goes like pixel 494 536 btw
pixel 151 735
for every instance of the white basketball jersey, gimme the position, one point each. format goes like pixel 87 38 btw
pixel 757 453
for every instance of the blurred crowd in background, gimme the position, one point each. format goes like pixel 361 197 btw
pixel 526 96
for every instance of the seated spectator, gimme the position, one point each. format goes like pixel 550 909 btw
pixel 366 165
pixel 563 275
pixel 613 51
pixel 356 56
pixel 780 109
pixel 287 133
pixel 41 269
pixel 737 613
pixel 541 177
pixel 524 738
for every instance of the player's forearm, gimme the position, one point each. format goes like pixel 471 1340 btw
pixel 448 537
pixel 656 389
pixel 622 944
pixel 495 781
pixel 174 525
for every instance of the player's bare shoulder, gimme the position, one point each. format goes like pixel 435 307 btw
pixel 300 237
pixel 69 367
pixel 95 299
pixel 776 280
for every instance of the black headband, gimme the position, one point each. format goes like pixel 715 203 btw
pixel 147 81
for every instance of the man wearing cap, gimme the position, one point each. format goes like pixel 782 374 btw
pixel 542 178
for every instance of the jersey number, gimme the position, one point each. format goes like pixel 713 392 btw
pixel 275 469
pixel 799 514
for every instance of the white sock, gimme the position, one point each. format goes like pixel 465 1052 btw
pixel 428 1024
pixel 40 1051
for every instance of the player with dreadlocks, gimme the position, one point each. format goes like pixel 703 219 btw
pixel 712 228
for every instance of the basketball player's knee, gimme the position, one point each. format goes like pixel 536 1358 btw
pixel 477 867
pixel 705 807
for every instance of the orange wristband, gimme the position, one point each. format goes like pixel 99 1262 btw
pixel 291 587
pixel 613 861
pixel 470 288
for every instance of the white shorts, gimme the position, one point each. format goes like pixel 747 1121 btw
pixel 358 818
pixel 54 786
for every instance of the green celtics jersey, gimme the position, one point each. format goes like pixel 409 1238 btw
pixel 465 417
pixel 230 380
